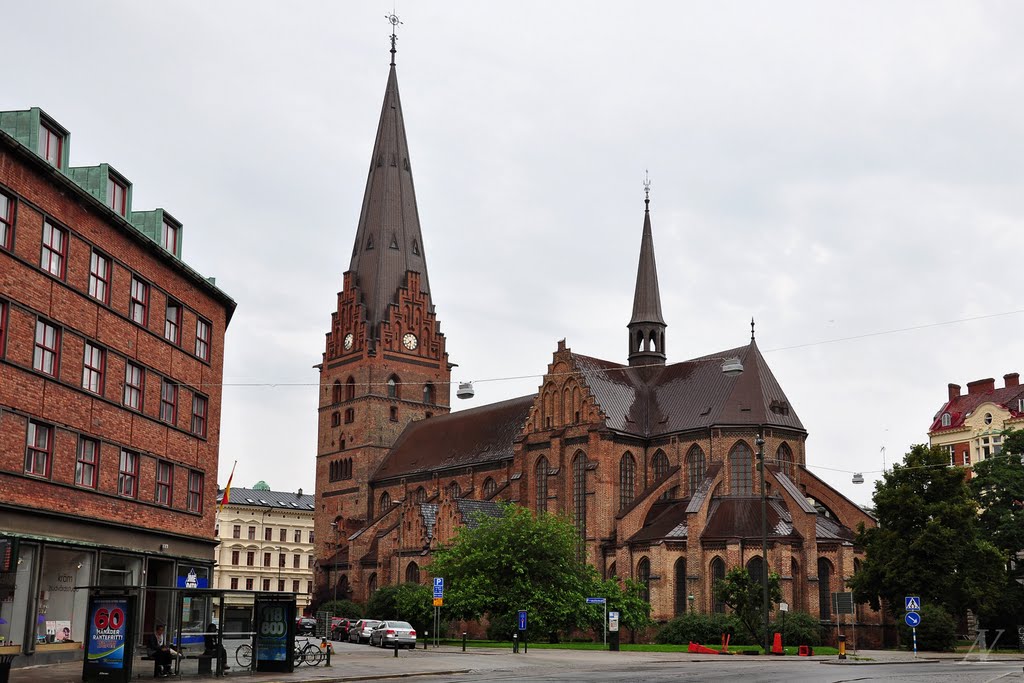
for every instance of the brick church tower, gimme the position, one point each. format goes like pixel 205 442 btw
pixel 385 363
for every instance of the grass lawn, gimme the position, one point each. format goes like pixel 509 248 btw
pixel 626 647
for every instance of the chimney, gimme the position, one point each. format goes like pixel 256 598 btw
pixel 1012 379
pixel 299 494
pixel 981 386
pixel 954 391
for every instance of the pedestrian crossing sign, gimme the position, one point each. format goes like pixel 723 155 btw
pixel 913 603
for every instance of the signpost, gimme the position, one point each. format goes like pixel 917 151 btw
pixel 438 602
pixel 522 629
pixel 604 602
pixel 912 604
pixel 783 607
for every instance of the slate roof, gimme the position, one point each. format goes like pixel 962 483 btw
pixel 469 511
pixel 664 521
pixel 962 407
pixel 693 394
pixel 733 517
pixel 281 500
pixel 388 240
pixel 468 437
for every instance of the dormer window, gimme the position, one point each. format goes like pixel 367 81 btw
pixel 169 237
pixel 117 195
pixel 51 145
pixel 946 419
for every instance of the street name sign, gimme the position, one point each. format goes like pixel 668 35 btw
pixel 595 601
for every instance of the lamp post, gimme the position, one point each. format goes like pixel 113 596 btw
pixel 764 534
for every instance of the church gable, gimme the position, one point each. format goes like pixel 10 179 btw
pixel 564 398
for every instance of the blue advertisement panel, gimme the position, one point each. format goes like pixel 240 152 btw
pixel 108 647
pixel 275 634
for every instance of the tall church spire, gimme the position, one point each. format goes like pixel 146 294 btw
pixel 388 242
pixel 647 325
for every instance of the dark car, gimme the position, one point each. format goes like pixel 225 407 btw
pixel 340 627
pixel 305 625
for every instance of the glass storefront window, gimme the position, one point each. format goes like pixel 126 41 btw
pixel 195 610
pixel 61 610
pixel 120 570
pixel 15 591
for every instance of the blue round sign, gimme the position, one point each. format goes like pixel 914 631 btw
pixel 913 619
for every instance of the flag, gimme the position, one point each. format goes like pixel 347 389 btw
pixel 227 489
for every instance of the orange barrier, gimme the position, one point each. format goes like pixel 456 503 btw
pixel 806 651
pixel 777 645
pixel 697 648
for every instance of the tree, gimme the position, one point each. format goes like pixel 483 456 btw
pixel 998 486
pixel 410 602
pixel 745 595
pixel 496 566
pixel 627 599
pixel 927 541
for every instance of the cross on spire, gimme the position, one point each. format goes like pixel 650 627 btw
pixel 751 328
pixel 394 21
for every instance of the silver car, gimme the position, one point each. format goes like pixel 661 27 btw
pixel 361 630
pixel 394 634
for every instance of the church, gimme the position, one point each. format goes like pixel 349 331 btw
pixel 654 462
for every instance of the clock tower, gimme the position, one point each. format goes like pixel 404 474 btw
pixel 385 363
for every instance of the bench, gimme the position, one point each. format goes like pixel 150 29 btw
pixel 204 660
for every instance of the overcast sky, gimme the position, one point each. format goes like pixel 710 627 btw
pixel 834 170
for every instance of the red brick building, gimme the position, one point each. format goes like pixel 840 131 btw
pixel 111 359
pixel 654 462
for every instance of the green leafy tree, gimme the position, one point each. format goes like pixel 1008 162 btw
pixel 745 595
pixel 628 600
pixel 410 602
pixel 499 565
pixel 927 541
pixel 998 486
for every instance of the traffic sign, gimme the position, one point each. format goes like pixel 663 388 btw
pixel 912 603
pixel 595 601
pixel 913 619
pixel 438 586
pixel 522 620
pixel 438 602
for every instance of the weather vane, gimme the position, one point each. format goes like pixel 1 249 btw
pixel 751 328
pixel 647 187
pixel 394 21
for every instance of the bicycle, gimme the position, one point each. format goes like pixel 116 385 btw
pixel 243 655
pixel 309 654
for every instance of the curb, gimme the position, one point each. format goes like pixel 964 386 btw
pixel 372 677
pixel 876 662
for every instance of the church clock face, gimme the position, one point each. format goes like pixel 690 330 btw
pixel 410 341
pixel 348 341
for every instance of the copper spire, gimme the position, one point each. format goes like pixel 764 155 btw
pixel 647 325
pixel 388 240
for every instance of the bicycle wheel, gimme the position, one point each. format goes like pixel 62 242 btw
pixel 312 654
pixel 297 658
pixel 243 655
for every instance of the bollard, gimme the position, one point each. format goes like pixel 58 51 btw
pixel 463 641
pixel 426 637
pixel 396 646
pixel 327 646
pixel 842 647
pixel 515 643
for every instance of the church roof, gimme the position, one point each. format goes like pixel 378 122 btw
pixel 693 394
pixel 647 297
pixel 388 241
pixel 461 439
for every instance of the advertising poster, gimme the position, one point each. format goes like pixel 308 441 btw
pixel 274 635
pixel 107 646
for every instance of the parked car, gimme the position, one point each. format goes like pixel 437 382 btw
pixel 305 625
pixel 340 626
pixel 394 634
pixel 361 630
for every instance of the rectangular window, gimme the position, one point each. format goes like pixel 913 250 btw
pixel 164 482
pixel 168 401
pixel 295 585
pixel 266 559
pixel 85 465
pixel 236 531
pixel 172 322
pixel 283 536
pixel 138 307
pixel 295 561
pixel 282 559
pixel 268 534
pixel 3 326
pixel 252 533
pixel 39 448
pixel 169 237
pixel 92 368
pixel 250 559
pixel 234 557
pixel 195 491
pixel 310 535
pixel 6 221
pixel 99 277
pixel 248 584
pixel 298 535
pixel 280 585
pixel 266 585
pixel 46 356
pixel 133 382
pixel 203 339
pixel 234 583
pixel 55 249
pixel 51 145
pixel 309 587
pixel 128 474
pixel 198 415
pixel 117 195
pixel 309 561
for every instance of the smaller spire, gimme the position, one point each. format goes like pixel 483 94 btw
pixel 751 328
pixel 394 21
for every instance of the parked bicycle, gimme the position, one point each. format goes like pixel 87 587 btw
pixel 243 655
pixel 305 653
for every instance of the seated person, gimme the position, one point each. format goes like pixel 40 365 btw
pixel 159 650
pixel 213 646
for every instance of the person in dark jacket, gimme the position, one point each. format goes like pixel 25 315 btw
pixel 213 646
pixel 159 650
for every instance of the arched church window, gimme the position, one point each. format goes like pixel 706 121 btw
pixel 371 584
pixel 541 484
pixel 428 394
pixel 627 480
pixel 659 468
pixel 579 493
pixel 335 418
pixel 385 502
pixel 421 495
pixel 680 576
pixel 453 490
pixel 490 486
pixel 350 415
pixel 412 573
pixel 798 582
pixel 643 577
pixel 336 394
pixel 393 382
pixel 755 567
pixel 695 467
pixel 350 389
pixel 740 470
pixel 717 574
pixel 655 346
pixel 784 459
pixel 824 589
